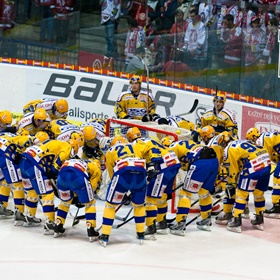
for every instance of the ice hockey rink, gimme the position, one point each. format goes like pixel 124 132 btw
pixel 28 254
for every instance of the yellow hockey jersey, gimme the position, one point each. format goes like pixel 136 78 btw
pixel 130 105
pixel 122 155
pixel 51 154
pixel 224 120
pixel 244 156
pixel 271 142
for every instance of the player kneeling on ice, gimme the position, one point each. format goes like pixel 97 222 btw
pixel 248 168
pixel 80 178
pixel 127 173
pixel 201 176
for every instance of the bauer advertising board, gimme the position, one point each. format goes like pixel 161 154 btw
pixel 91 95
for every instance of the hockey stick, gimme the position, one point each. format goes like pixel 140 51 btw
pixel 124 218
pixel 194 106
pixel 148 83
pixel 197 216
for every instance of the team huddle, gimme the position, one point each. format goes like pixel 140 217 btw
pixel 43 156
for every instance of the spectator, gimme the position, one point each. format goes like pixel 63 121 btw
pixel 271 46
pixel 47 22
pixel 110 13
pixel 254 42
pixel 62 10
pixel 195 42
pixel 135 38
pixel 136 65
pixel 260 83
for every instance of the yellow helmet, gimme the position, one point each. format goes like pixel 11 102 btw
pixel 207 131
pixel 23 132
pixel 118 140
pixel 40 114
pixel 135 78
pixel 133 133
pixel 89 132
pixel 220 96
pixel 61 108
pixel 224 138
pixel 251 133
pixel 167 141
pixel 40 137
pixel 105 144
pixel 79 137
pixel 6 117
pixel 186 124
pixel 75 147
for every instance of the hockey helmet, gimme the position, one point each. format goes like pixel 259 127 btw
pixel 224 138
pixel 206 131
pixel 6 117
pixel 89 132
pixel 75 147
pixel 135 78
pixel 118 140
pixel 167 141
pixel 61 108
pixel 133 133
pixel 105 144
pixel 40 137
pixel 252 133
pixel 220 96
pixel 41 115
pixel 79 137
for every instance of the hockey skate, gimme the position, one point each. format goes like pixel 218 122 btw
pixel 258 222
pixel 150 232
pixel 19 218
pixel 273 212
pixel 5 213
pixel 49 227
pixel 162 227
pixel 32 221
pixel 235 224
pixel 179 228
pixel 92 233
pixel 205 224
pixel 246 213
pixel 223 218
pixel 103 240
pixel 57 228
pixel 141 236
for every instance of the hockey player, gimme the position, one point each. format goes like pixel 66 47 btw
pixel 202 165
pixel 176 121
pixel 6 120
pixel 80 178
pixel 34 122
pixel 220 118
pixel 56 108
pixel 271 142
pixel 248 172
pixel 63 130
pixel 93 131
pixel 135 103
pixel 11 148
pixel 127 173
pixel 162 168
pixel 38 165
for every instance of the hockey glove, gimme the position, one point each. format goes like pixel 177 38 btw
pixel 17 159
pixel 152 170
pixel 163 121
pixel 230 191
pixel 128 117
pixel 156 117
pixel 147 118
pixel 51 173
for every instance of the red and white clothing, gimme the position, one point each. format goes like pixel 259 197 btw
pixel 135 38
pixel 233 45
pixel 7 14
pixel 62 8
